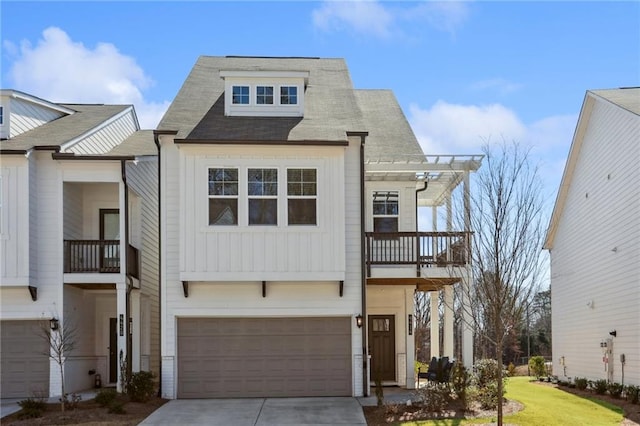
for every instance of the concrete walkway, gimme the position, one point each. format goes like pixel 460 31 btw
pixel 259 412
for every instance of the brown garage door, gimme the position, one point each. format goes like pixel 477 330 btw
pixel 259 357
pixel 24 367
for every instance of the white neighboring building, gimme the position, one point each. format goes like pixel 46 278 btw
pixel 290 253
pixel 78 191
pixel 594 243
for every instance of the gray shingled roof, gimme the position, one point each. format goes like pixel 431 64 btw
pixel 627 98
pixel 332 107
pixel 138 144
pixel 64 129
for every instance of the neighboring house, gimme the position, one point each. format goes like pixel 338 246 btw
pixel 290 252
pixel 78 192
pixel 594 243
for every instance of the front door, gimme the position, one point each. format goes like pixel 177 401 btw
pixel 382 338
pixel 113 350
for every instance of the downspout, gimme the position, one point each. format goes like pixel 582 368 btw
pixel 156 140
pixel 426 185
pixel 127 324
pixel 363 274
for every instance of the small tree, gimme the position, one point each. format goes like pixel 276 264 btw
pixel 61 339
pixel 537 367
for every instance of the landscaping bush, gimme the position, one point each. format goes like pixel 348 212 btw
pixel 106 396
pixel 460 382
pixel 511 370
pixel 632 393
pixel 615 389
pixel 117 407
pixel 537 367
pixel 485 380
pixel 435 396
pixel 581 383
pixel 31 408
pixel 142 386
pixel 599 386
pixel 71 401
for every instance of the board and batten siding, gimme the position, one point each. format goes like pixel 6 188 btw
pixel 245 253
pixel 595 259
pixel 143 180
pixel 14 230
pixel 107 136
pixel 24 116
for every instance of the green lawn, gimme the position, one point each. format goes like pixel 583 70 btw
pixel 545 405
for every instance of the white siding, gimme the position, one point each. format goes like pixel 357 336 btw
pixel 105 138
pixel 595 260
pixel 14 231
pixel 72 211
pixel 246 253
pixel 24 116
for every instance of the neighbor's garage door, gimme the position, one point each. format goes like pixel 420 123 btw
pixel 259 357
pixel 24 365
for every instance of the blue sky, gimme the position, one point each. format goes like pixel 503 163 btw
pixel 463 72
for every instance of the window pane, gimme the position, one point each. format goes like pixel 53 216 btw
pixel 294 175
pixel 264 95
pixel 309 175
pixel 263 181
pixel 288 95
pixel 263 211
pixel 309 189
pixel 255 188
pixel 379 208
pixel 302 211
pixel 223 211
pixel 240 95
pixel 294 188
pixel 223 181
pixel 230 188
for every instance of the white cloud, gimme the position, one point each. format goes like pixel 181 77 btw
pixel 372 17
pixel 62 70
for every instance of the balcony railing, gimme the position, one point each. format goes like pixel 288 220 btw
pixel 98 256
pixel 422 249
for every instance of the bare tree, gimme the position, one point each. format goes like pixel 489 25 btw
pixel 507 218
pixel 61 337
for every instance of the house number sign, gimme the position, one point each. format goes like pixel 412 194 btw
pixel 121 325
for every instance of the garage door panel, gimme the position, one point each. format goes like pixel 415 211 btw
pixel 235 357
pixel 24 363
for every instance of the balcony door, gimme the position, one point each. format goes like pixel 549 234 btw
pixel 109 231
pixel 382 347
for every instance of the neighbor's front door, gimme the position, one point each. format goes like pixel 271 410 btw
pixel 382 348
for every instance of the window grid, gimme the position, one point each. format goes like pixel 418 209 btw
pixel 302 192
pixel 240 95
pixel 262 189
pixel 264 95
pixel 223 196
pixel 288 95
pixel 385 211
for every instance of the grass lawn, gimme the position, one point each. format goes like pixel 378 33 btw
pixel 545 405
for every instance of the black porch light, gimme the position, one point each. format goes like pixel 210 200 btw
pixel 359 320
pixel 54 324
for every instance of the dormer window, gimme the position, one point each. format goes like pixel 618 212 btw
pixel 288 95
pixel 251 93
pixel 240 95
pixel 264 95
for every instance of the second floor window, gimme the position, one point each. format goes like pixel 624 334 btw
pixel 385 211
pixel 223 196
pixel 262 186
pixel 264 95
pixel 288 95
pixel 302 193
pixel 240 95
pixel 1 115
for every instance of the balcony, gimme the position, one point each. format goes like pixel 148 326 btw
pixel 99 256
pixel 421 249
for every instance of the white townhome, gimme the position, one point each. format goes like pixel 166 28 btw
pixel 594 243
pixel 290 251
pixel 79 248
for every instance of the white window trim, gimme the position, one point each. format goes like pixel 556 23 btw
pixel 264 197
pixel 374 216
pixel 209 197
pixel 301 197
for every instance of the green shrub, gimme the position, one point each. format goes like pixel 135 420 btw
pixel 31 408
pixel 116 407
pixel 142 386
pixel 599 386
pixel 615 389
pixel 106 396
pixel 537 367
pixel 581 383
pixel 460 380
pixel 632 393
pixel 435 396
pixel 485 380
pixel 511 370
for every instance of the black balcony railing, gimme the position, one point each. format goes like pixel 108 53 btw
pixel 99 256
pixel 422 249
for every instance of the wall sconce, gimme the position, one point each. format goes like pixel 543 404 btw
pixel 359 320
pixel 613 333
pixel 54 324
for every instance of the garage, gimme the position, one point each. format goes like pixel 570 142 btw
pixel 23 361
pixel 264 357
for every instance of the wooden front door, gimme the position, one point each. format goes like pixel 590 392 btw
pixel 382 338
pixel 113 350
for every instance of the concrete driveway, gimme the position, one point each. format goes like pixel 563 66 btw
pixel 259 412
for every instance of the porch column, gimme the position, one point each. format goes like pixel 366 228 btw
pixel 449 212
pixel 467 331
pixel 435 324
pixel 135 332
pixel 447 350
pixel 409 301
pixel 121 296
